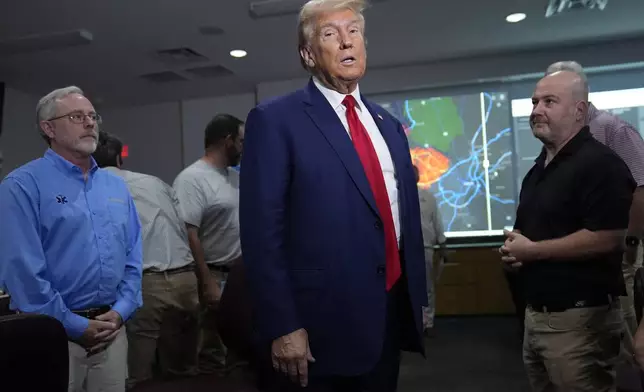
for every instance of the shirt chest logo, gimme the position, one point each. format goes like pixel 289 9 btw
pixel 117 200
pixel 60 199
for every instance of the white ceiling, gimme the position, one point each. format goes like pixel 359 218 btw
pixel 127 34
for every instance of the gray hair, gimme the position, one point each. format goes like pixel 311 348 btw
pixel 570 66
pixel 48 104
pixel 313 9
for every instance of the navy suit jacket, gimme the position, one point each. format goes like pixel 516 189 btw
pixel 311 235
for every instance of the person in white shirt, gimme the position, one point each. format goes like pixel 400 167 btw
pixel 433 234
pixel 164 332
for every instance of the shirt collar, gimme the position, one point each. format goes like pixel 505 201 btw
pixel 66 165
pixel 113 169
pixel 569 148
pixel 335 98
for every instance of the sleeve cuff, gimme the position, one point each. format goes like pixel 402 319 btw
pixel 124 308
pixel 282 330
pixel 75 325
pixel 192 222
pixel 605 226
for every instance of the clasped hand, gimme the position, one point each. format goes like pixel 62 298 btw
pixel 516 250
pixel 101 332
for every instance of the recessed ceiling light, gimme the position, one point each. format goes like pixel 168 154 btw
pixel 238 53
pixel 514 18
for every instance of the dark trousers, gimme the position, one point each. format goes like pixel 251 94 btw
pixel 515 285
pixel 384 376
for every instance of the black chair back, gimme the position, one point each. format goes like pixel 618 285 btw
pixel 34 355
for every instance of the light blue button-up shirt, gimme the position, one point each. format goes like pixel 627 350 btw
pixel 67 243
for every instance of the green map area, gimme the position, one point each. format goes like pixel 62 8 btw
pixel 435 122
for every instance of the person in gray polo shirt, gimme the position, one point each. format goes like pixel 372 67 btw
pixel 208 192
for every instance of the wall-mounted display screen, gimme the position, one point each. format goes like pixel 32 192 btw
pixel 463 146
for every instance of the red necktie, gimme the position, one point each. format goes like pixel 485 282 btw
pixel 371 165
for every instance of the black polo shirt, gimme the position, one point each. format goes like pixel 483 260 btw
pixel 585 186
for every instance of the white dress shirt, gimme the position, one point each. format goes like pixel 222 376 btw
pixel 165 236
pixel 430 219
pixel 384 156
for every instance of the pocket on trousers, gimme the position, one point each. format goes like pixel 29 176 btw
pixel 610 330
pixel 577 319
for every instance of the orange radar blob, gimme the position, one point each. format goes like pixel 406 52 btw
pixel 431 165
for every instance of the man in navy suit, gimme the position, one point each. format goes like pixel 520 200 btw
pixel 330 220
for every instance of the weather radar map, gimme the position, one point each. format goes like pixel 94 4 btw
pixel 462 146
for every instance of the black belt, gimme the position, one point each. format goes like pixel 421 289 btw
pixel 221 268
pixel 185 268
pixel 561 306
pixel 92 313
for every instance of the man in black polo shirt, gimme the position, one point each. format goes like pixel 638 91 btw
pixel 568 242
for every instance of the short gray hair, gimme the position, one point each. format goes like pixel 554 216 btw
pixel 48 104
pixel 570 66
pixel 313 8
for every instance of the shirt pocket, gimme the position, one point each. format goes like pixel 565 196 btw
pixel 119 213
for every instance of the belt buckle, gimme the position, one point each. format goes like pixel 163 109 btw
pixel 93 313
pixel 580 304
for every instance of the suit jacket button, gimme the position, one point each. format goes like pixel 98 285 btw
pixel 378 225
pixel 381 270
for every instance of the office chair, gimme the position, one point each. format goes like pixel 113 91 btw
pixel 33 353
pixel 5 301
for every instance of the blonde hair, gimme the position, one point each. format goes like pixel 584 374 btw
pixel 313 9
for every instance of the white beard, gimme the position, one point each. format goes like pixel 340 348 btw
pixel 87 146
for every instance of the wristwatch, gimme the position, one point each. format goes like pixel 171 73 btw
pixel 632 241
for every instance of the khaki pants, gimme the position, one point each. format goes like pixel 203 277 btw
pixel 212 352
pixel 432 274
pixel 105 371
pixel 627 367
pixel 573 351
pixel 164 333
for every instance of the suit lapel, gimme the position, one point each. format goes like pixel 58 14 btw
pixel 327 121
pixel 389 134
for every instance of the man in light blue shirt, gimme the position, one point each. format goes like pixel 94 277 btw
pixel 70 243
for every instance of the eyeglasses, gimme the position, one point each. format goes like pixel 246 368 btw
pixel 79 118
